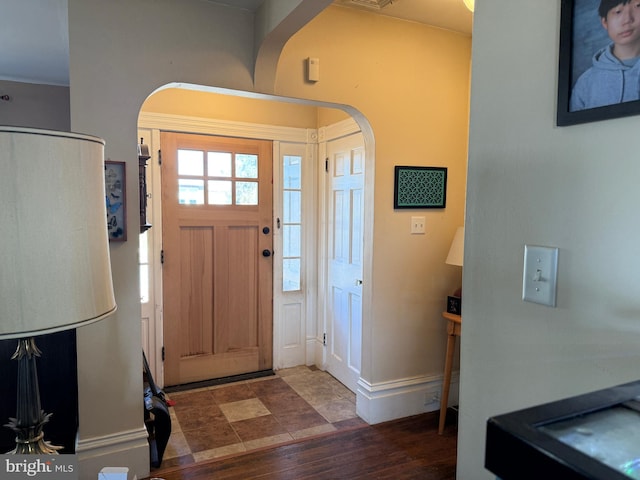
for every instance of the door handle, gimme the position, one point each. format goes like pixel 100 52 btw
pixel 266 252
pixel 358 282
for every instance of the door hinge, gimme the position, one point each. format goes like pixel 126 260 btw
pixel 159 157
pixel 162 257
pixel 324 339
pixel 326 164
pixel 163 353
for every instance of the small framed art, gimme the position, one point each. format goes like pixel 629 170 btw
pixel 420 187
pixel 115 185
pixel 454 305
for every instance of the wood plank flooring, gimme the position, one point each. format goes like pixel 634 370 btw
pixel 404 449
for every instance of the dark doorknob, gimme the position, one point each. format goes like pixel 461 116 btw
pixel 266 230
pixel 266 252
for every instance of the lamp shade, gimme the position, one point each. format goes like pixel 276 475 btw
pixel 470 4
pixel 55 271
pixel 456 252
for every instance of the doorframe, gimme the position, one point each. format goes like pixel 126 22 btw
pixel 151 124
pixel 316 327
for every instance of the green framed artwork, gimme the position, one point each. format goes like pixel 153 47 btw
pixel 420 187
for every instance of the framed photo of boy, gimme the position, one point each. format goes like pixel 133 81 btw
pixel 599 71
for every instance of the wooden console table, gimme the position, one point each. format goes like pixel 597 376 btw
pixel 454 329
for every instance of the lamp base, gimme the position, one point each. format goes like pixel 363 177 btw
pixel 30 418
pixel 30 439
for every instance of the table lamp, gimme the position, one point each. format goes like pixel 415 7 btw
pixel 455 257
pixel 55 271
pixel 456 251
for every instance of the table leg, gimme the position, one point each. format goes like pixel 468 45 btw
pixel 446 382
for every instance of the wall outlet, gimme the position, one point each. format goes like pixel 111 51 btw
pixel 430 398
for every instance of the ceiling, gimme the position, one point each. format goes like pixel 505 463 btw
pixel 34 40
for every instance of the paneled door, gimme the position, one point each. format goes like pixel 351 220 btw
pixel 217 254
pixel 346 162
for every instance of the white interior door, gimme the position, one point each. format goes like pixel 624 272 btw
pixel 346 163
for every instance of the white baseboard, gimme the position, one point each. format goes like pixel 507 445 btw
pixel 384 401
pixel 123 449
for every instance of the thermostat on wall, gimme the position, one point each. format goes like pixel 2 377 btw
pixel 313 69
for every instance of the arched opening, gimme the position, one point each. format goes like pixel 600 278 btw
pixel 305 331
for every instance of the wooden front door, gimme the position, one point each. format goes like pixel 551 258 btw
pixel 217 246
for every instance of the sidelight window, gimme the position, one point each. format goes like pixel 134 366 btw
pixel 292 223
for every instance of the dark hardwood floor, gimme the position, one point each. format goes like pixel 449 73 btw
pixel 408 448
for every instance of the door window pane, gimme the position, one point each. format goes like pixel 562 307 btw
pixel 291 274
pixel 291 240
pixel 143 262
pixel 219 164
pixel 246 165
pixel 219 192
pixel 246 193
pixel 190 162
pixel 144 283
pixel 143 252
pixel 190 192
pixel 291 224
pixel 292 206
pixel 292 171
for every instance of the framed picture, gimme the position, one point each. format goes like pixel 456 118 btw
pixel 454 305
pixel 586 92
pixel 420 187
pixel 115 186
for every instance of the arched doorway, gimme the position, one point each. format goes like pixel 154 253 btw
pixel 303 328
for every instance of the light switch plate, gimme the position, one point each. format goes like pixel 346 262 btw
pixel 539 282
pixel 417 225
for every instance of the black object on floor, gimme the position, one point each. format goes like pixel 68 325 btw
pixel 156 416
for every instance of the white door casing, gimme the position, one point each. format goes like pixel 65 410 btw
pixel 150 126
pixel 295 243
pixel 314 307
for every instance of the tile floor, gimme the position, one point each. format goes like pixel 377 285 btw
pixel 238 417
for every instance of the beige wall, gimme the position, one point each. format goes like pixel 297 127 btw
pixel 411 83
pixel 531 182
pixel 329 116
pixel 193 103
pixel 207 104
pixel 418 114
pixel 419 127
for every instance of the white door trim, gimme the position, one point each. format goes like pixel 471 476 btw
pixel 316 309
pixel 154 123
pixel 208 126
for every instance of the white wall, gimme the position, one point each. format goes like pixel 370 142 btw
pixel 35 106
pixel 120 52
pixel 575 188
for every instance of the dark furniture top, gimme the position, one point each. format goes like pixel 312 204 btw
pixel 595 436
